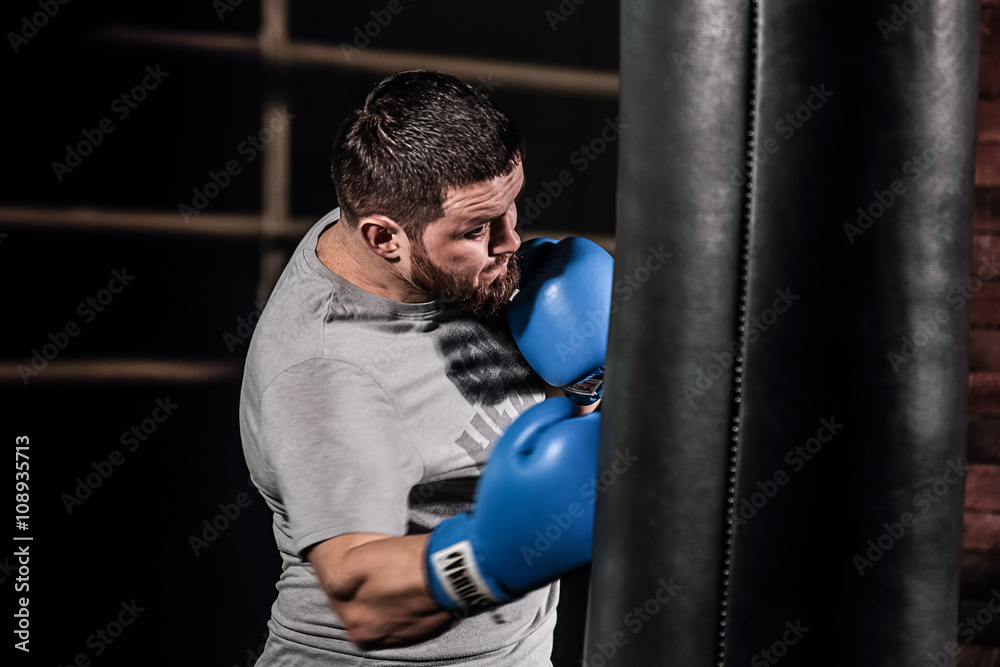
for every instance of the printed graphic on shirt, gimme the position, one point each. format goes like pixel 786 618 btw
pixel 490 375
pixel 489 422
pixel 432 502
pixel 483 369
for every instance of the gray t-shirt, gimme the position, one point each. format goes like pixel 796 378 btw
pixel 363 414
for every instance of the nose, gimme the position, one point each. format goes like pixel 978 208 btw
pixel 503 238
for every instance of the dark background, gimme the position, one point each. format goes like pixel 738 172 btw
pixel 177 332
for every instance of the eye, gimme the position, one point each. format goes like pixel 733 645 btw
pixel 477 233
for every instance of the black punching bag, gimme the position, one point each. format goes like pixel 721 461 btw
pixel 789 384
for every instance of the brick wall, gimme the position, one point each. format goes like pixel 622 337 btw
pixel 979 622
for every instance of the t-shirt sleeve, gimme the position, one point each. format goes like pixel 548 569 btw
pixel 342 458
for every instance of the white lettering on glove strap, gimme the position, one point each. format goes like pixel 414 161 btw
pixel 456 569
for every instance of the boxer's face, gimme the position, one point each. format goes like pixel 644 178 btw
pixel 467 256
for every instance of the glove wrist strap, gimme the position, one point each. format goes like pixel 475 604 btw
pixel 453 573
pixel 458 577
pixel 586 391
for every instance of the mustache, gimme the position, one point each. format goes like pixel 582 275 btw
pixel 502 259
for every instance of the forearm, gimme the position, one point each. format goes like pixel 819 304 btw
pixel 377 586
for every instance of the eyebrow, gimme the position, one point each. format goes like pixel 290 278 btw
pixel 517 197
pixel 487 219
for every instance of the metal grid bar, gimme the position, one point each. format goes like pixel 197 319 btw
pixel 276 168
pixel 232 225
pixel 124 370
pixel 515 75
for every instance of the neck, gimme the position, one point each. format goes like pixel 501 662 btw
pixel 343 251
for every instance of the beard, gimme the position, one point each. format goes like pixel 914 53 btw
pixel 483 300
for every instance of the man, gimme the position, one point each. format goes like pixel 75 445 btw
pixel 380 374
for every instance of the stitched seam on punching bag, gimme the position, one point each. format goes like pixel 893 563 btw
pixel 741 328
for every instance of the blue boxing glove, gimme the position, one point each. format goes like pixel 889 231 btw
pixel 561 314
pixel 531 483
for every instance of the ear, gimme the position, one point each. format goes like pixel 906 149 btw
pixel 382 236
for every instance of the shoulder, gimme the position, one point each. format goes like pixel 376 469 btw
pixel 324 377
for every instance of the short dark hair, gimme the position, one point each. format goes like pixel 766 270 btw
pixel 419 134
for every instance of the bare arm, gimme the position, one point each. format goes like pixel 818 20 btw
pixel 377 586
